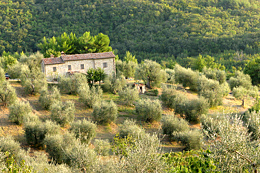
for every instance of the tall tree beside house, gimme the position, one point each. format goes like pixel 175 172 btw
pixel 151 73
pixel 71 44
pixel 99 75
pixel 129 57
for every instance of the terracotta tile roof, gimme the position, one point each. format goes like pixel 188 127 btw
pixel 52 61
pixel 88 56
pixel 60 60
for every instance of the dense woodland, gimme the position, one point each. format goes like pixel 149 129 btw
pixel 227 30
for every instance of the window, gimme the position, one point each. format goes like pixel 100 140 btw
pixel 69 67
pixel 54 69
pixel 105 65
pixel 82 66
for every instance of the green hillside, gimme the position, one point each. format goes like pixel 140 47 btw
pixel 147 28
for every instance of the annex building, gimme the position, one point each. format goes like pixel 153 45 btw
pixel 77 63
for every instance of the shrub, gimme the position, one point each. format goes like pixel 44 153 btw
pixel 18 111
pixel 47 98
pixel 215 74
pixel 172 98
pixel 252 121
pixel 105 112
pixel 70 85
pixel 171 123
pixel 114 83
pixel 31 117
pixel 240 79
pixel 225 89
pixel 149 110
pixel 35 132
pixel 256 106
pixel 90 96
pixel 7 143
pixel 186 77
pixel 7 93
pixel 210 123
pixel 190 139
pixel 129 128
pixel 84 130
pixel 170 75
pixel 243 93
pixel 63 113
pixel 128 95
pixel 193 109
pixel 210 89
pixel 102 147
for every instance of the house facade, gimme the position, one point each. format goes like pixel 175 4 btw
pixel 65 64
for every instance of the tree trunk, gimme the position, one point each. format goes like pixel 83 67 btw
pixel 243 103
pixel 148 84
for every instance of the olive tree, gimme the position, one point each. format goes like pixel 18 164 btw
pixel 7 93
pixel 130 128
pixel 149 110
pixel 240 79
pixel 105 112
pixel 215 74
pixel 151 73
pixel 115 83
pixel 128 95
pixel 47 98
pixel 244 93
pixel 90 96
pixel 63 113
pixel 18 111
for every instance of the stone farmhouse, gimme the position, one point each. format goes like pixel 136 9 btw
pixel 77 63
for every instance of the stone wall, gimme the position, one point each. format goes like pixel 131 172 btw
pixel 62 69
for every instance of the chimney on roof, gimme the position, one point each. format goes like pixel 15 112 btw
pixel 52 56
pixel 62 53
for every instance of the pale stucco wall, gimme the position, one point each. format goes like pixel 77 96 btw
pixel 62 69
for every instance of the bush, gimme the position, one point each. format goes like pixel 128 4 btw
pixel 114 83
pixel 225 89
pixel 170 75
pixel 31 117
pixel 256 106
pixel 210 123
pixel 190 139
pixel 210 89
pixel 252 121
pixel 172 98
pixel 128 95
pixel 7 143
pixel 47 98
pixel 186 77
pixel 105 112
pixel 171 123
pixel 102 147
pixel 149 110
pixel 84 130
pixel 90 96
pixel 240 79
pixel 193 109
pixel 215 74
pixel 7 93
pixel 70 85
pixel 63 113
pixel 129 128
pixel 18 111
pixel 35 132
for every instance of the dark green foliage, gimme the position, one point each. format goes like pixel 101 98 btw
pixel 128 95
pixel 19 111
pixel 171 123
pixel 35 132
pixel 47 98
pixel 63 113
pixel 171 75
pixel 105 112
pixel 186 77
pixel 190 161
pixel 70 85
pixel 252 69
pixel 192 140
pixel 151 73
pixel 240 79
pixel 149 110
pixel 84 130
pixel 130 128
